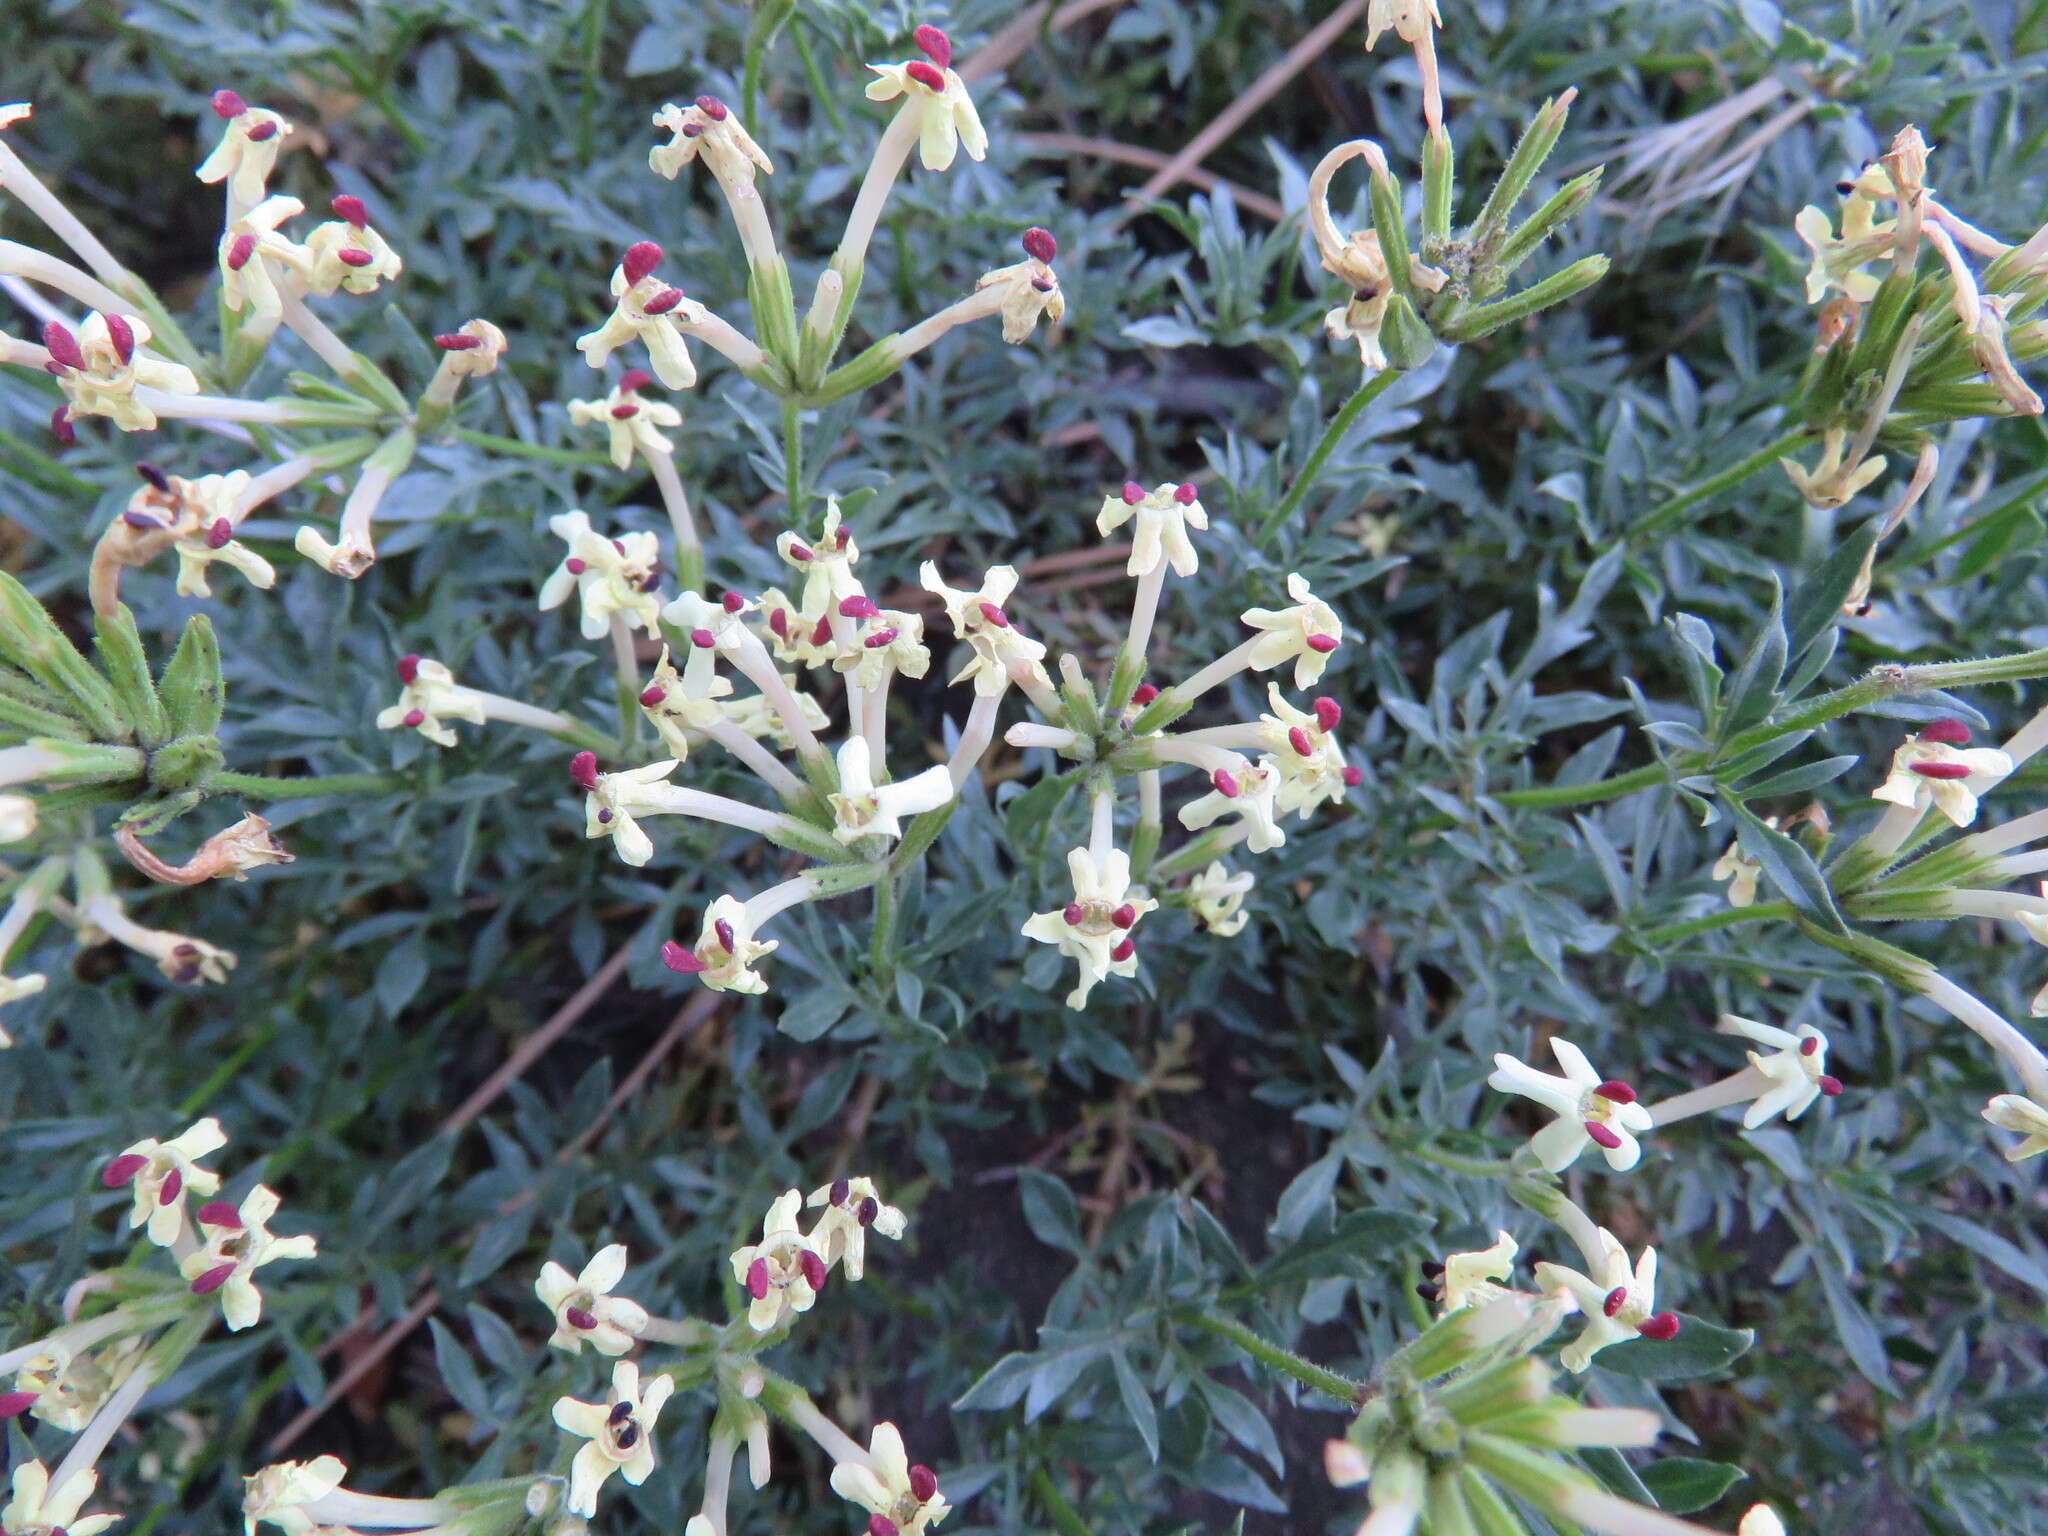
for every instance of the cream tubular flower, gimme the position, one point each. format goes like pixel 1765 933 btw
pixel 247 151
pixel 470 351
pixel 1252 795
pixel 620 1431
pixel 904 1498
pixel 1796 1069
pixel 1934 768
pixel 1589 1109
pixel 2021 1115
pixel 726 950
pixel 348 254
pixel 1305 633
pixel 784 1272
pixel 861 808
pixel 613 801
pixel 827 566
pixel 1163 516
pixel 1988 346
pixel 584 1308
pixel 1410 20
pixel 889 642
pixel 851 1208
pixel 1216 898
pixel 32 1512
pixel 1302 748
pixel 1030 288
pixel 1002 654
pixel 160 1173
pixel 1838 262
pixel 280 1493
pixel 1095 928
pixel 1832 482
pixel 213 507
pixel 101 366
pixel 683 718
pixel 792 637
pixel 634 423
pixel 935 99
pixel 251 250
pixel 182 959
pixel 238 1243
pixel 1741 872
pixel 430 696
pixel 708 130
pixel 715 631
pixel 1474 1279
pixel 647 309
pixel 1619 1303
pixel 608 575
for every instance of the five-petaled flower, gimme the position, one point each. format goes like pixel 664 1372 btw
pixel 1216 898
pixel 726 950
pixel 861 808
pixel 2017 1113
pixel 851 1207
pixel 1619 1303
pixel 585 1310
pixel 633 421
pixel 346 253
pixel 1096 928
pixel 613 801
pixel 1935 767
pixel 610 576
pixel 1251 794
pixel 159 1174
pixel 646 308
pixel 1164 515
pixel 620 1431
pixel 827 566
pixel 1589 1108
pixel 784 1272
pixel 429 696
pixel 902 1499
pixel 280 1493
pixel 101 365
pixel 247 151
pixel 1002 653
pixel 936 97
pixel 1306 633
pixel 238 1243
pixel 1474 1279
pixel 33 1512
pixel 1796 1068
pixel 1031 289
pixel 248 246
pixel 707 128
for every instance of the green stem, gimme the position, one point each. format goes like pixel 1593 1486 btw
pixel 261 787
pixel 514 445
pixel 882 943
pixel 1585 794
pixel 793 457
pixel 1065 1518
pixel 1340 424
pixel 1662 518
pixel 1769 911
pixel 1285 1361
pixel 1471 1167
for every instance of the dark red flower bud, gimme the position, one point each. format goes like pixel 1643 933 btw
pixel 1661 1327
pixel 1144 694
pixel 1614 1301
pixel 240 251
pixel 212 1280
pixel 122 1169
pixel 1617 1091
pixel 925 75
pixel 63 345
pixel 414 719
pixel 924 1484
pixel 1039 244
pixel 1602 1134
pixel 583 771
pixel 263 132
pixel 1328 713
pixel 352 257
pixel 1186 494
pixel 663 302
pixel 218 1213
pixel 122 335
pixel 713 108
pixel 1947 772
pixel 757 1279
pixel 351 209
pixel 935 45
pixel 641 258
pixel 813 1268
pixel 1951 733
pixel 677 958
pixel 1322 645
pixel 227 104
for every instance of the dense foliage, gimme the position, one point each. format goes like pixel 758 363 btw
pixel 451 1041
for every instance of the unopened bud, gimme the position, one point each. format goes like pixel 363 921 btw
pixel 351 209
pixel 925 75
pixel 228 104
pixel 641 258
pixel 935 45
pixel 1039 244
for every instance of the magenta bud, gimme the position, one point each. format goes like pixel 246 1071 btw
pixel 649 697
pixel 813 1268
pixel 228 104
pixel 351 209
pixel 352 257
pixel 576 1317
pixel 682 960
pixel 1602 1134
pixel 703 639
pixel 713 108
pixel 1353 776
pixel 935 45
pixel 1186 494
pixel 726 936
pixel 925 75
pixel 1124 916
pixel 1039 244
pixel 1947 772
pixel 414 719
pixel 408 669
pixel 1133 493
pixel 1322 645
pixel 583 771
pixel 1074 913
pixel 633 380
pixel 122 1169
pixel 212 1280
pixel 1614 1301
pixel 14 1404
pixel 60 425
pixel 1328 713
pixel 1126 948
pixel 263 133
pixel 1225 782
pixel 757 1279
pixel 1951 733
pixel 1831 1086
pixel 1662 1327
pixel 218 1213
pixel 122 335
pixel 1297 738
pixel 1144 694
pixel 641 258
pixel 1617 1091
pixel 240 251
pixel 63 345
pixel 858 606
pixel 924 1484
